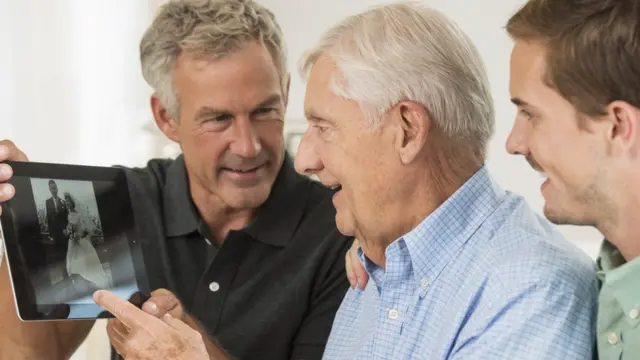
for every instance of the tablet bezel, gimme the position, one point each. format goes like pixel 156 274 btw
pixel 25 302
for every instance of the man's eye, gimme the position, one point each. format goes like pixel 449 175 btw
pixel 222 118
pixel 526 114
pixel 265 110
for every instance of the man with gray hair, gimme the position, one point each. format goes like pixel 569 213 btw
pixel 243 251
pixel 400 116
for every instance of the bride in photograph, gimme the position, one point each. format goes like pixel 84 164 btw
pixel 82 257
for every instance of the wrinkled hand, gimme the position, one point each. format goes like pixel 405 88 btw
pixel 8 151
pixel 355 270
pixel 160 303
pixel 150 337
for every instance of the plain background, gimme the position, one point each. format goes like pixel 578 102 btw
pixel 71 89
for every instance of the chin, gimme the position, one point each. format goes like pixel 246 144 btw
pixel 345 226
pixel 248 198
pixel 565 217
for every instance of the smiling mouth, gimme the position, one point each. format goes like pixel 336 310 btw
pixel 242 170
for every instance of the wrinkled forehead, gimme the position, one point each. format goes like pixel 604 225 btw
pixel 319 98
pixel 236 82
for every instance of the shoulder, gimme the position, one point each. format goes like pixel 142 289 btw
pixel 154 169
pixel 516 249
pixel 527 250
pixel 149 179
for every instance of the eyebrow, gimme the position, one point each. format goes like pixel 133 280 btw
pixel 208 111
pixel 519 102
pixel 313 117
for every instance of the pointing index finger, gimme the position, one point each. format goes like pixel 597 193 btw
pixel 123 310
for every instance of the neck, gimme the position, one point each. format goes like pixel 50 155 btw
pixel 219 217
pixel 623 230
pixel 417 198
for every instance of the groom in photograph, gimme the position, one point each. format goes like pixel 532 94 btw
pixel 57 220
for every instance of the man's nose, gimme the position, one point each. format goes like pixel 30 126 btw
pixel 517 139
pixel 307 161
pixel 246 142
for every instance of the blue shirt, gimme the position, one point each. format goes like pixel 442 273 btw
pixel 482 277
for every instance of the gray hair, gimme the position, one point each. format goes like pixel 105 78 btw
pixel 405 51
pixel 205 28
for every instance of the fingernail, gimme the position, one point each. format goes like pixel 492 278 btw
pixel 150 307
pixel 5 170
pixel 167 316
pixel 7 190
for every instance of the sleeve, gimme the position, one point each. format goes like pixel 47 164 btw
pixel 552 319
pixel 313 334
pixel 49 214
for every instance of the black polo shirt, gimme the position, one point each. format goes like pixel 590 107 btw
pixel 271 290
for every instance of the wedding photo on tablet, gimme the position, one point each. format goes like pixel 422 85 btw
pixel 67 235
pixel 71 228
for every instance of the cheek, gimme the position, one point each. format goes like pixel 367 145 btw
pixel 271 135
pixel 208 148
pixel 567 163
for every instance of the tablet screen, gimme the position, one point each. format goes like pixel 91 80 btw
pixel 71 237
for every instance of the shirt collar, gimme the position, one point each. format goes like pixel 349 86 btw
pixel 618 277
pixel 441 236
pixel 609 259
pixel 275 222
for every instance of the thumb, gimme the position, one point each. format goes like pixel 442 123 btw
pixel 161 302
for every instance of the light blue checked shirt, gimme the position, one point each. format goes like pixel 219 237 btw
pixel 482 277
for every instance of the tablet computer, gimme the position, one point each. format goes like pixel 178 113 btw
pixel 68 231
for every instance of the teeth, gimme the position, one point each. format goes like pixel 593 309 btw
pixel 543 175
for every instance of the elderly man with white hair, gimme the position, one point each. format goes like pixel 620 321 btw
pixel 400 116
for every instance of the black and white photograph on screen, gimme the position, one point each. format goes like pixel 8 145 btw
pixel 71 230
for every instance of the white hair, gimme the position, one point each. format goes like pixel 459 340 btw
pixel 406 51
pixel 211 28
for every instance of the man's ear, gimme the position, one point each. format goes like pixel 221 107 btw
pixel 623 133
pixel 163 119
pixel 414 128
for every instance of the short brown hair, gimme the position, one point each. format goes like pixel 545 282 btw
pixel 593 48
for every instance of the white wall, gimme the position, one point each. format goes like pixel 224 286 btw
pixel 71 90
pixel 75 90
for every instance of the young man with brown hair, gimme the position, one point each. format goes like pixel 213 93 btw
pixel 575 80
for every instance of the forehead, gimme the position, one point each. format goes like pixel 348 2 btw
pixel 318 85
pixel 243 77
pixel 527 68
pixel 320 100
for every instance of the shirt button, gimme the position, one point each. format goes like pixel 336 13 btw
pixel 393 314
pixel 214 286
pixel 424 283
pixel 612 338
pixel 634 314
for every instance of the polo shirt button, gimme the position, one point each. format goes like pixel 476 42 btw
pixel 612 338
pixel 634 314
pixel 214 286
